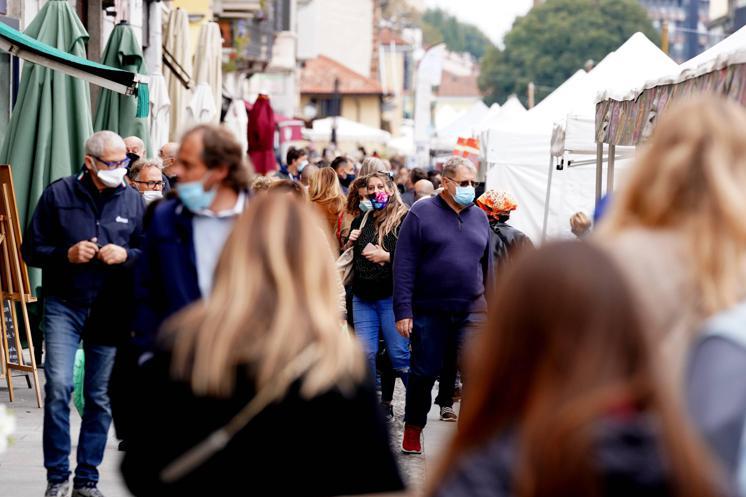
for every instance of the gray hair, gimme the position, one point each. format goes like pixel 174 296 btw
pixel 372 165
pixel 138 143
pixel 101 141
pixel 453 163
pixel 137 167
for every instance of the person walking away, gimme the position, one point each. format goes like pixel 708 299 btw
pixel 566 409
pixel 440 269
pixel 277 352
pixel 307 174
pixel 676 228
pixel 416 175
pixel 423 189
pixel 296 162
pixel 187 233
pixel 325 193
pixel 505 240
pixel 84 230
pixel 374 236
pixel 146 176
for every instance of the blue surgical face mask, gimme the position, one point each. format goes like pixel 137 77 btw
pixel 302 166
pixel 464 195
pixel 366 205
pixel 193 194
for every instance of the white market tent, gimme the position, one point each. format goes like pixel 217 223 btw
pixel 446 137
pixel 511 109
pixel 347 131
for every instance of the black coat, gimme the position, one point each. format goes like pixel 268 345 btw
pixel 71 210
pixel 505 242
pixel 627 456
pixel 332 444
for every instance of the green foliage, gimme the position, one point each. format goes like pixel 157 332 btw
pixel 554 40
pixel 438 26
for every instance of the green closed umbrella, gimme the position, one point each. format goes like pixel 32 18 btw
pixel 117 112
pixel 52 116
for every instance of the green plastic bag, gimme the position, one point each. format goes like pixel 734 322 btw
pixel 78 377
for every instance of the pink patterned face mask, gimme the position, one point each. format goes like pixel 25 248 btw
pixel 379 200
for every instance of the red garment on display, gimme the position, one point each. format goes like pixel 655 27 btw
pixel 261 133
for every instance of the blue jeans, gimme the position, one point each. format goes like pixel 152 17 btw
pixel 437 340
pixel 372 316
pixel 63 327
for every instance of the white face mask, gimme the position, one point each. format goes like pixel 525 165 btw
pixel 151 196
pixel 112 178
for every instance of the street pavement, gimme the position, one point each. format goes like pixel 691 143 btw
pixel 22 471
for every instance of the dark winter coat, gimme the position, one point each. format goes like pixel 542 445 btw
pixel 506 241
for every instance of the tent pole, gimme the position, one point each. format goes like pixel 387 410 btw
pixel 546 203
pixel 610 169
pixel 599 170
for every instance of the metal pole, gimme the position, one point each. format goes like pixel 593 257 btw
pixel 599 170
pixel 546 202
pixel 610 169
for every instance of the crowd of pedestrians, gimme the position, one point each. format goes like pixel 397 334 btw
pixel 248 333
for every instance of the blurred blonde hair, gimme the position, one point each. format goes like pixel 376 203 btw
pixel 691 178
pixel 275 294
pixel 324 189
pixel 580 224
pixel 373 165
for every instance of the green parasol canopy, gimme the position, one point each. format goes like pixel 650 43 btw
pixel 52 116
pixel 117 112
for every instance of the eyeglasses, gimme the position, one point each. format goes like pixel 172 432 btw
pixel 114 165
pixel 151 185
pixel 464 183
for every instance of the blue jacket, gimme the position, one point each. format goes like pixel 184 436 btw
pixel 166 278
pixel 442 260
pixel 71 210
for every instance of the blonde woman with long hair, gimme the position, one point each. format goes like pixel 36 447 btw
pixel 374 235
pixel 325 193
pixel 256 387
pixel 678 226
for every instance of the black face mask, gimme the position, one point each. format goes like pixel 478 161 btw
pixel 133 157
pixel 347 180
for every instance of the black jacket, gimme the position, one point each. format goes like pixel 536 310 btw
pixel 627 457
pixel 332 444
pixel 505 241
pixel 71 210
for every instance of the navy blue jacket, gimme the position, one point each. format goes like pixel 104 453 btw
pixel 442 260
pixel 71 210
pixel 166 278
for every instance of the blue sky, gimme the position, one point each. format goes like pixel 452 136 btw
pixel 494 17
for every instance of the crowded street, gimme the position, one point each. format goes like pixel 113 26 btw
pixel 405 248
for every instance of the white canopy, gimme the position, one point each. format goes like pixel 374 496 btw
pixel 177 43
pixel 347 130
pixel 511 109
pixel 465 126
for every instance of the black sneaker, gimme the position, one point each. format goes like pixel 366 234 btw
pixel 448 414
pixel 87 491
pixel 388 412
pixel 61 489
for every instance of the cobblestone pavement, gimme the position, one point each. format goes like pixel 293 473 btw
pixel 22 471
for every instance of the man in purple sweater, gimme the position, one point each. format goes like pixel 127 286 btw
pixel 440 271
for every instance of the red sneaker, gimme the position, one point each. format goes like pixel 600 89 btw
pixel 412 440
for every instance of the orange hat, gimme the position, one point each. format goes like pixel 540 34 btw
pixel 494 203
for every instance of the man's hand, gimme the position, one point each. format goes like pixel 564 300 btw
pixel 404 327
pixel 82 252
pixel 112 254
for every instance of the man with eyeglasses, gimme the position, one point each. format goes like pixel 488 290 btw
pixel 84 231
pixel 440 270
pixel 146 176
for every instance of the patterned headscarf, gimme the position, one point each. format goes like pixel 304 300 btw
pixel 495 203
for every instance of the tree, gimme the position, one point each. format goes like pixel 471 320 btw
pixel 554 40
pixel 438 26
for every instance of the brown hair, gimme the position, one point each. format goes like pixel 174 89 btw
pixel 271 300
pixel 325 191
pixel 580 224
pixel 353 196
pixel 564 347
pixel 288 186
pixel 691 179
pixel 220 148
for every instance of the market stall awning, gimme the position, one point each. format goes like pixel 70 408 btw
pixel 27 48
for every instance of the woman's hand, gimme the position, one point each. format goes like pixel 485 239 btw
pixel 376 255
pixel 354 235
